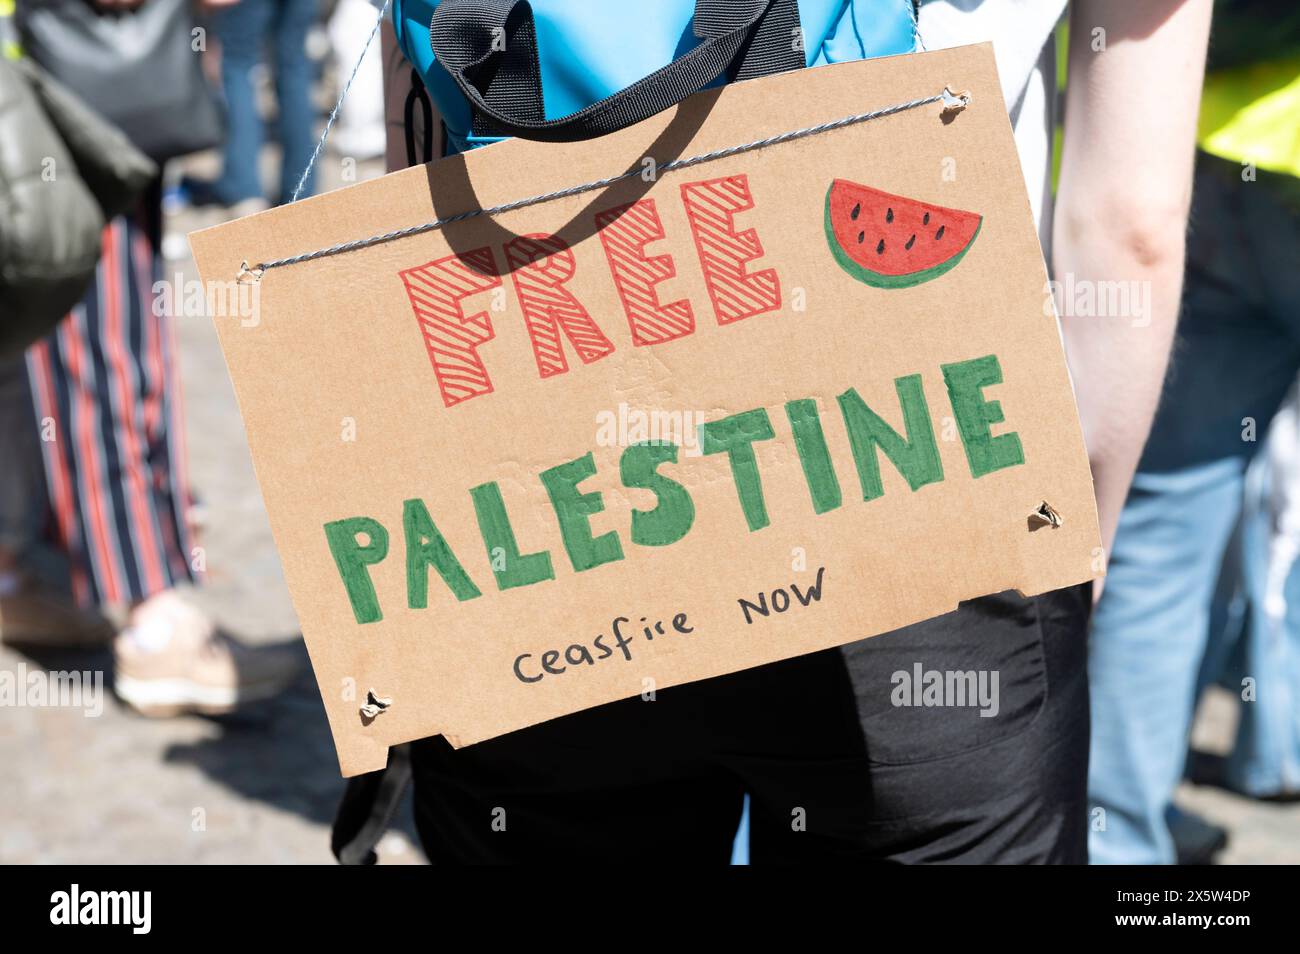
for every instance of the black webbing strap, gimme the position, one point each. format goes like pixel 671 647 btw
pixel 770 48
pixel 367 808
pixel 418 96
pixel 489 47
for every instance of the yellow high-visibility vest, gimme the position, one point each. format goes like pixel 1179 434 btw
pixel 1251 114
pixel 9 47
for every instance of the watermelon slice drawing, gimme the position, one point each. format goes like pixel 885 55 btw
pixel 891 241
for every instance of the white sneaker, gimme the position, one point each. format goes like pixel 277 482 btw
pixel 171 660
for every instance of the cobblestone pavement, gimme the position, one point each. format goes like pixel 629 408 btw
pixel 262 787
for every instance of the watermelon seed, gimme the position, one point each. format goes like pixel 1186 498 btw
pixel 861 236
pixel 854 214
pixel 939 234
pixel 880 249
pixel 926 219
pixel 908 246
pixel 889 215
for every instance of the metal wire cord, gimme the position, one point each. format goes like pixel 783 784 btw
pixel 951 101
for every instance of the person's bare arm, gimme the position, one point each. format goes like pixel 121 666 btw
pixel 1121 213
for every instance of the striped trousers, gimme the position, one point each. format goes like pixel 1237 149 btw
pixel 107 403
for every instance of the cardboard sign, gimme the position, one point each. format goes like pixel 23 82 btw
pixel 693 422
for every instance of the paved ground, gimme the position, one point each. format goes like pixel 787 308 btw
pixel 262 787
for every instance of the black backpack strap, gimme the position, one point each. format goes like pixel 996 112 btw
pixel 368 805
pixel 418 95
pixel 489 48
pixel 770 47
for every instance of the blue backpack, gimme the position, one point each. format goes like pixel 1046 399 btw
pixel 563 70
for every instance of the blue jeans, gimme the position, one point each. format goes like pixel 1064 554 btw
pixel 1255 634
pixel 245 30
pixel 1236 354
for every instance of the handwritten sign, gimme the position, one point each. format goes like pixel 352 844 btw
pixel 699 420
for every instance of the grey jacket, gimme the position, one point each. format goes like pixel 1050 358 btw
pixel 64 172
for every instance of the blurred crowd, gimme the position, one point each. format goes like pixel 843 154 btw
pixel 99 526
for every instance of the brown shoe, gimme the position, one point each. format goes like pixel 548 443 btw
pixel 170 660
pixel 39 616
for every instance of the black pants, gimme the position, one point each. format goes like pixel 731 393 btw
pixel 835 769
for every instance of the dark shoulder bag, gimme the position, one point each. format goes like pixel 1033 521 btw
pixel 137 68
